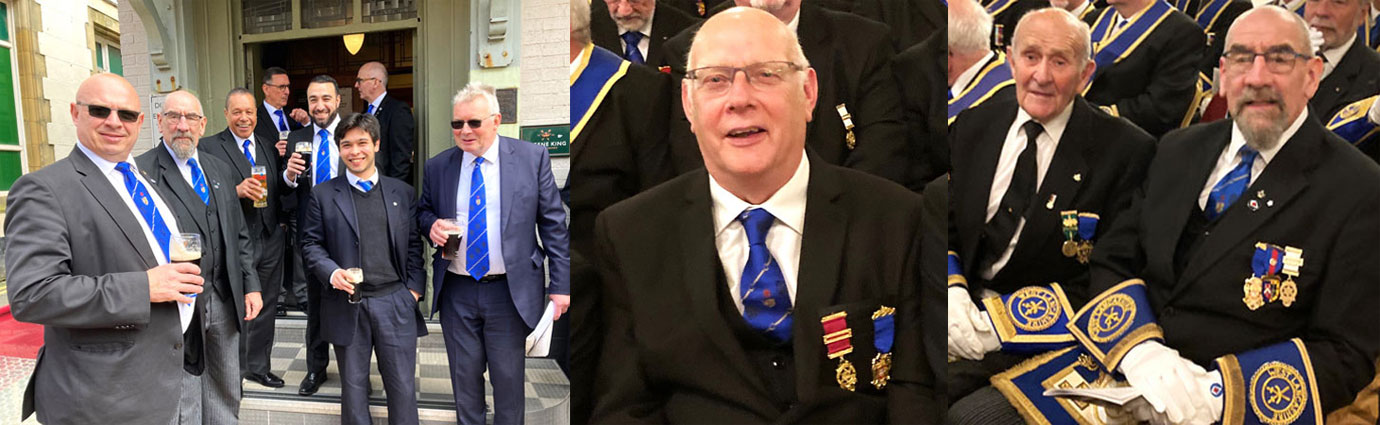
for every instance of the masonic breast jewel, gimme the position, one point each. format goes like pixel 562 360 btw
pixel 1265 285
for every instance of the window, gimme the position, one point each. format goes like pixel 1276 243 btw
pixel 11 144
pixel 108 58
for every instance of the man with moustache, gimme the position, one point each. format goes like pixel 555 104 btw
pixel 721 285
pixel 635 29
pixel 87 257
pixel 1351 69
pixel 1147 56
pixel 242 148
pixel 1252 246
pixel 1050 158
pixel 397 128
pixel 197 188
pixel 323 97
pixel 364 220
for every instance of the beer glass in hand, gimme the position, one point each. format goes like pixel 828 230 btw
pixel 260 174
pixel 453 233
pixel 185 248
pixel 304 149
pixel 355 276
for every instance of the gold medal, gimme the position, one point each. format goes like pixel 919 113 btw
pixel 1069 249
pixel 846 375
pixel 1084 251
pixel 1269 288
pixel 881 370
pixel 1288 292
pixel 1252 293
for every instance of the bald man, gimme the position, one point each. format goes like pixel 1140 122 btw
pixel 87 258
pixel 724 318
pixel 397 127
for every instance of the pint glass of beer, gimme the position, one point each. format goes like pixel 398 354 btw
pixel 355 276
pixel 304 149
pixel 185 248
pixel 260 174
pixel 453 232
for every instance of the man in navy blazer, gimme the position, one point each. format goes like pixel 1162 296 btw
pixel 346 216
pixel 489 303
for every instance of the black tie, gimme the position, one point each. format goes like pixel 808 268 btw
pixel 998 232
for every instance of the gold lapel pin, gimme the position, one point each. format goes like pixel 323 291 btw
pixel 1050 205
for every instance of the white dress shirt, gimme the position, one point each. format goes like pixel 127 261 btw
pixel 642 44
pixel 273 116
pixel 966 77
pixel 376 102
pixel 239 146
pixel 1334 57
pixel 186 169
pixel 1045 146
pixel 1230 156
pixel 332 151
pixel 493 209
pixel 783 238
pixel 1078 12
pixel 373 180
pixel 117 179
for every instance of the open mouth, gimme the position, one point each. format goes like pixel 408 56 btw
pixel 745 132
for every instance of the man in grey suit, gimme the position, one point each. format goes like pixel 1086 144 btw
pixel 201 192
pixel 489 303
pixel 114 313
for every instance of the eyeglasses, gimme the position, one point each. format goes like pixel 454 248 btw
pixel 474 123
pixel 719 79
pixel 362 80
pixel 1277 60
pixel 277 86
pixel 101 112
pixel 175 116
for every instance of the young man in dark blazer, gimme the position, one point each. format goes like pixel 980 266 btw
pixel 721 284
pixel 362 219
pixel 612 26
pixel 397 128
pixel 240 147
pixel 1081 161
pixel 1148 71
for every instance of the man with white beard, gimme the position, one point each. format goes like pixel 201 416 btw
pixel 635 29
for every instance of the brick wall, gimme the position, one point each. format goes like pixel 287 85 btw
pixel 544 94
pixel 134 48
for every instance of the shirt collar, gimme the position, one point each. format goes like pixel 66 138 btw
pixel 354 181
pixel 968 75
pixel 180 162
pixel 490 155
pixel 1079 11
pixel 1055 127
pixel 330 129
pixel 240 142
pixel 378 101
pixel 787 204
pixel 1334 55
pixel 1238 140
pixel 794 24
pixel 271 110
pixel 105 166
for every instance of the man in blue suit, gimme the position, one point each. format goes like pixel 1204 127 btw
pixel 363 220
pixel 499 190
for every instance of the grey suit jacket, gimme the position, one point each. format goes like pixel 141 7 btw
pixel 77 258
pixel 236 251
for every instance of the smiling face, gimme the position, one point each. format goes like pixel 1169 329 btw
pixel 182 133
pixel 323 100
pixel 475 140
pixel 1262 102
pixel 357 149
pixel 630 15
pixel 1049 64
pixel 748 131
pixel 241 114
pixel 108 137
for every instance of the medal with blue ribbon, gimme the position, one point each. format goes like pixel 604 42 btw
pixel 1264 284
pixel 837 340
pixel 883 334
pixel 1087 227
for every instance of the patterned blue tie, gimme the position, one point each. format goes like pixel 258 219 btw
pixel 282 124
pixel 152 218
pixel 477 253
pixel 631 38
pixel 323 158
pixel 370 109
pixel 766 302
pixel 248 155
pixel 366 185
pixel 199 181
pixel 1232 185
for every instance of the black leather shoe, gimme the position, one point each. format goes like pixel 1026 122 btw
pixel 268 380
pixel 312 383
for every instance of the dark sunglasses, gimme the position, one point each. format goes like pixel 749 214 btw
pixel 459 124
pixel 101 112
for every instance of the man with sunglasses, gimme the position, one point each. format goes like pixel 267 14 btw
pixel 771 287
pixel 502 195
pixel 87 257
pixel 398 136
pixel 200 191
pixel 1252 249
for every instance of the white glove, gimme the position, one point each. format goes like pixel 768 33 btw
pixel 1315 39
pixel 1375 112
pixel 970 331
pixel 1170 383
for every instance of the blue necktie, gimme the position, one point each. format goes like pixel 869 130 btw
pixel 766 302
pixel 199 182
pixel 366 185
pixel 323 159
pixel 370 109
pixel 477 253
pixel 1232 185
pixel 152 218
pixel 631 38
pixel 247 155
pixel 282 125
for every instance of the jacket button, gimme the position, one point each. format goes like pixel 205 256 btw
pixel 776 362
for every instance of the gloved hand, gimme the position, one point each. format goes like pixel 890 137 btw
pixel 1315 39
pixel 1375 112
pixel 1171 384
pixel 970 331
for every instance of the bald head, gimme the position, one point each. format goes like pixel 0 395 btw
pixel 107 116
pixel 1054 25
pixel 371 81
pixel 737 27
pixel 1269 72
pixel 182 123
pixel 1288 26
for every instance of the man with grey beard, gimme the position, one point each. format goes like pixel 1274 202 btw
pixel 635 29
pixel 201 192
pixel 1255 239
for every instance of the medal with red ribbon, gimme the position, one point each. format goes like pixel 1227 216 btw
pixel 838 342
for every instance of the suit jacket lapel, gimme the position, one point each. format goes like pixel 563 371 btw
pixel 701 276
pixel 988 153
pixel 346 202
pixel 397 241
pixel 821 253
pixel 237 159
pixel 507 177
pixel 450 183
pixel 112 200
pixel 1281 181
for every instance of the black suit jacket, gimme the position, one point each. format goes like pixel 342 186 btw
pixel 296 199
pixel 398 136
pixel 850 55
pixel 922 78
pixel 236 253
pixel 1098 164
pixel 1356 77
pixel 692 7
pixel 1217 33
pixel 1155 85
pixel 267 129
pixel 331 241
pixel 669 353
pixel 666 23
pixel 1008 18
pixel 1317 194
pixel 222 145
pixel 910 21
